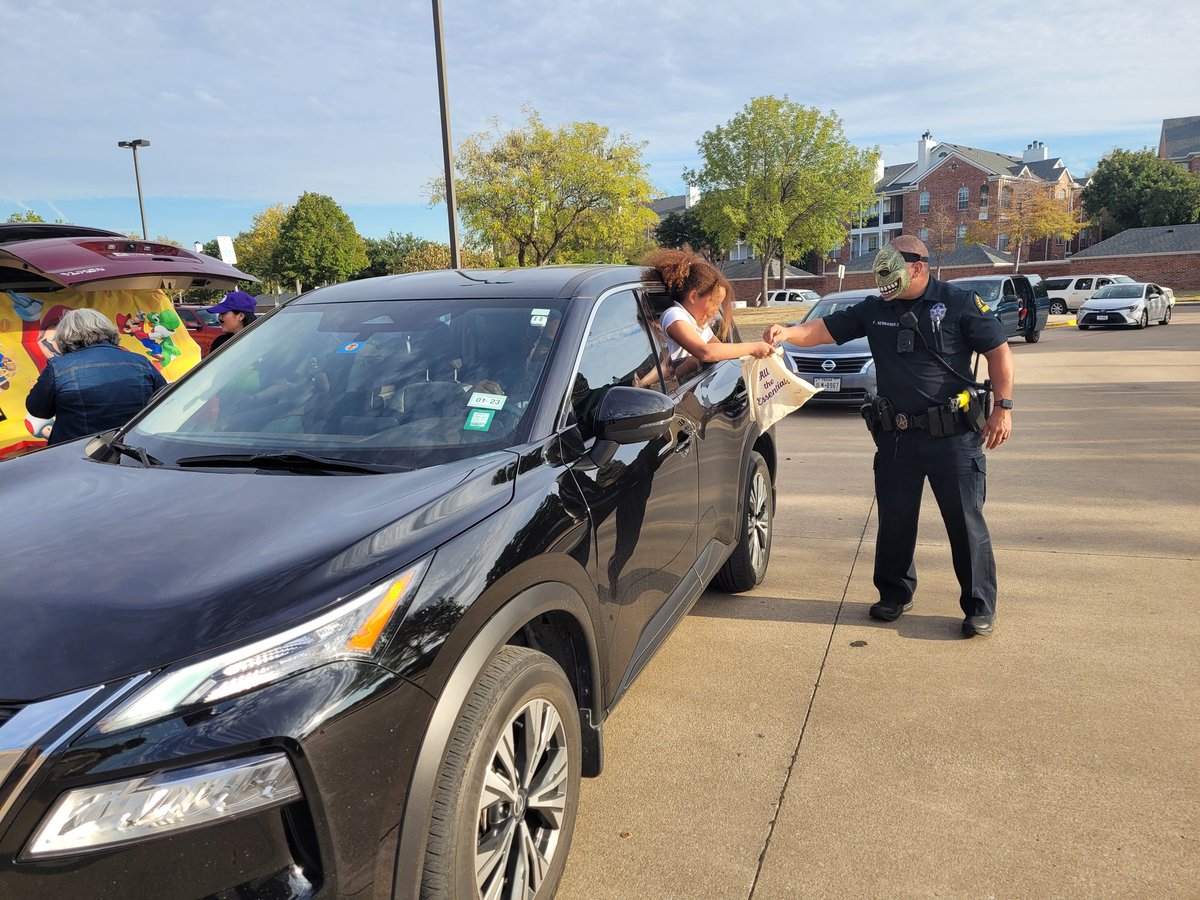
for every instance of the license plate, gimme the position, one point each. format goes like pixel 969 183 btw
pixel 828 384
pixel 1101 318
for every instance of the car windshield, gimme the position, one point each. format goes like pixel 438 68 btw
pixel 988 291
pixel 206 317
pixel 1124 279
pixel 410 383
pixel 827 306
pixel 1118 292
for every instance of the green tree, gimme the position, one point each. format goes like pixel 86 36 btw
pixel 1029 212
pixel 428 255
pixel 318 243
pixel 784 178
pixel 543 194
pixel 1136 189
pixel 257 246
pixel 387 254
pixel 678 229
pixel 28 216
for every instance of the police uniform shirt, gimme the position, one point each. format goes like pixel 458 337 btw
pixel 915 381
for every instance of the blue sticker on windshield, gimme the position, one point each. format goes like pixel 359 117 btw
pixel 352 347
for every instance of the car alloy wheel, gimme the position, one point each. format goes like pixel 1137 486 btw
pixel 1143 319
pixel 1058 308
pixel 523 802
pixel 1166 319
pixel 508 789
pixel 747 565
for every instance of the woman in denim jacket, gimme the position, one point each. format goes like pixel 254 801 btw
pixel 93 385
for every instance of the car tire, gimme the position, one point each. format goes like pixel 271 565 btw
pixel 1032 337
pixel 1143 320
pixel 521 708
pixel 1166 319
pixel 747 565
pixel 1058 308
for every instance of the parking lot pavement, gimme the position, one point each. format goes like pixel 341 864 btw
pixel 783 745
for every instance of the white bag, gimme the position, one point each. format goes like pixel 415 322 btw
pixel 774 390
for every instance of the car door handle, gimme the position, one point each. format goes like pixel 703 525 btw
pixel 684 436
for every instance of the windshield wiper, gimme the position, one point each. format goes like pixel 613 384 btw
pixel 289 460
pixel 133 453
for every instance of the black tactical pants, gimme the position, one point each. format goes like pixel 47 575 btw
pixel 956 469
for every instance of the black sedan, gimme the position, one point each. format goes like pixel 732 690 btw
pixel 450 518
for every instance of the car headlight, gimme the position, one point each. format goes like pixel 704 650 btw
pixel 869 368
pixel 354 629
pixel 150 805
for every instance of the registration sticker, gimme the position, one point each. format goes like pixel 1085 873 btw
pixel 479 420
pixel 487 401
pixel 352 347
pixel 539 317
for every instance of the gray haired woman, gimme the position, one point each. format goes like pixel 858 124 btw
pixel 94 385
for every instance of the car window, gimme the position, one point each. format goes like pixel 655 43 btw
pixel 825 307
pixel 617 351
pixel 408 383
pixel 1057 284
pixel 188 317
pixel 1083 284
pixel 1119 291
pixel 988 291
pixel 206 317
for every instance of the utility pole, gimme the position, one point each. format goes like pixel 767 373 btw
pixel 447 147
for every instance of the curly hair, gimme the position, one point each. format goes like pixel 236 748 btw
pixel 683 271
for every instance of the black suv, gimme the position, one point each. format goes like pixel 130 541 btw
pixel 450 517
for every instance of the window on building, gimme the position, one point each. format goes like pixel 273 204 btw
pixel 872 242
pixel 923 234
pixel 1002 242
pixel 964 197
pixel 961 234
pixel 983 195
pixel 924 201
pixel 1060 194
pixel 1058 241
pixel 1006 195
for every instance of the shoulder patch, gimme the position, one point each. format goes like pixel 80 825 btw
pixel 983 307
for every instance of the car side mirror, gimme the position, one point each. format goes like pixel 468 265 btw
pixel 630 415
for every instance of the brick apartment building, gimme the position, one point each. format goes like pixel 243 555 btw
pixel 1180 142
pixel 951 189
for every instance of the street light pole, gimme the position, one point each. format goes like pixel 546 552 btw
pixel 134 144
pixel 447 151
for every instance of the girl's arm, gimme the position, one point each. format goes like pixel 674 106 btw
pixel 683 334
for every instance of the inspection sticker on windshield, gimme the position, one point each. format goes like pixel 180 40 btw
pixel 479 420
pixel 487 401
pixel 538 316
pixel 352 347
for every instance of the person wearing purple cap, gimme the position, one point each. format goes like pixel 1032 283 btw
pixel 235 312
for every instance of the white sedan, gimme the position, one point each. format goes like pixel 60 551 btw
pixel 1136 304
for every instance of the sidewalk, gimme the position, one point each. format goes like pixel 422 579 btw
pixel 782 745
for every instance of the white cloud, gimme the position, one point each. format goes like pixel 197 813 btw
pixel 262 102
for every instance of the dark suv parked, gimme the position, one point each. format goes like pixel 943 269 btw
pixel 1020 302
pixel 450 515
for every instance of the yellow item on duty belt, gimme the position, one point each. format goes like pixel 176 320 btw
pixel 964 399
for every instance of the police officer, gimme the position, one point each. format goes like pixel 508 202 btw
pixel 923 333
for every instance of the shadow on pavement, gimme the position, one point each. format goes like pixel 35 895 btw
pixel 714 605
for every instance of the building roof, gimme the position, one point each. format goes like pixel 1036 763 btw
pixel 1136 241
pixel 664 206
pixel 961 255
pixel 752 268
pixel 1180 138
pixel 902 175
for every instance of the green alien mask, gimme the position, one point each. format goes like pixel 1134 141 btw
pixel 891 274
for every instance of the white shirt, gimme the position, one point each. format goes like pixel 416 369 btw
pixel 678 314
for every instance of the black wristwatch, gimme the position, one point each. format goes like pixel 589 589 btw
pixel 1005 403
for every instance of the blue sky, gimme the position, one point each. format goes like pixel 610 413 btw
pixel 251 103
